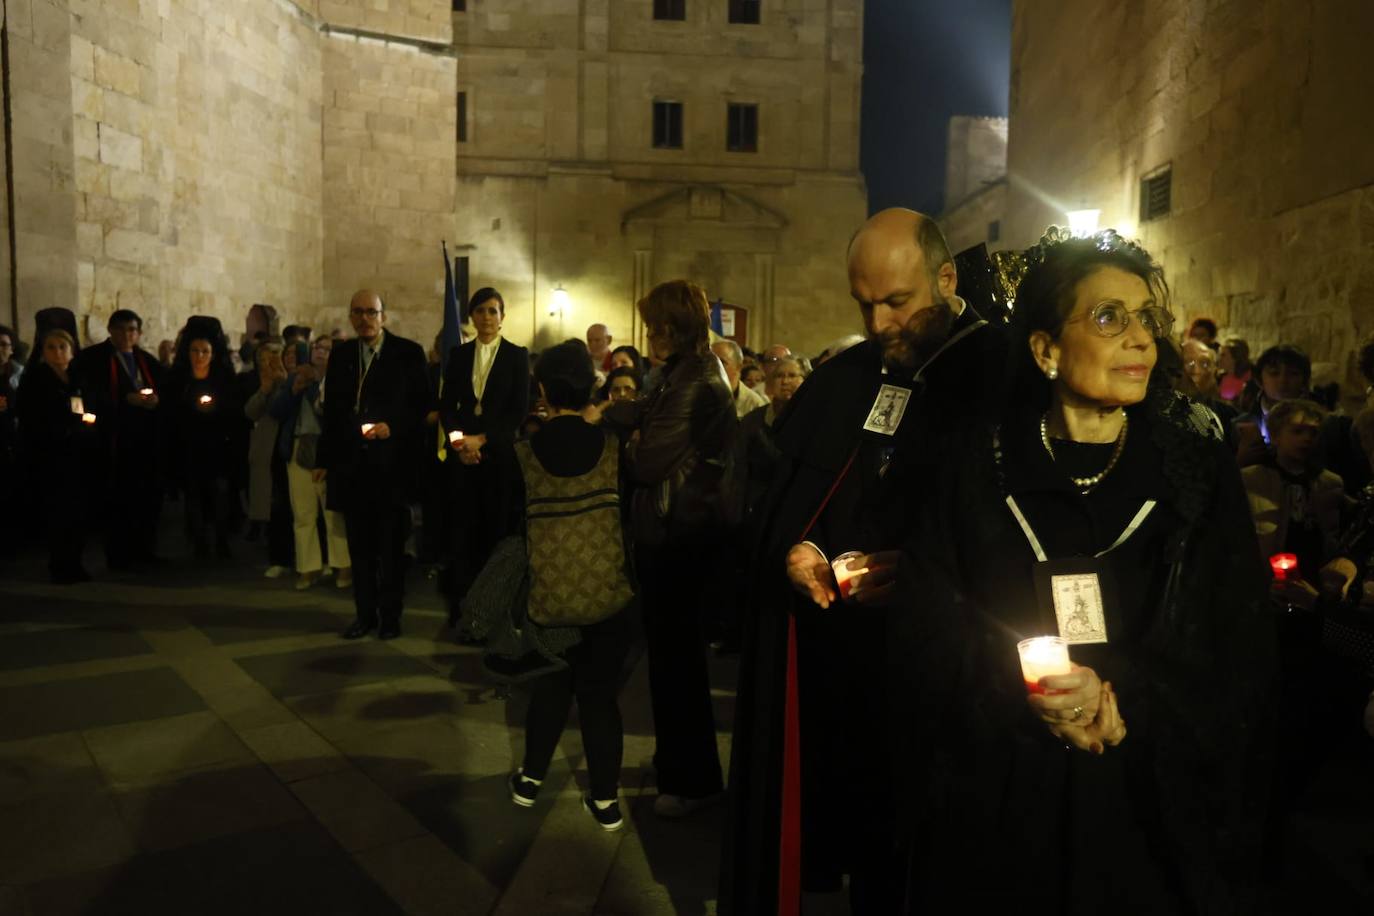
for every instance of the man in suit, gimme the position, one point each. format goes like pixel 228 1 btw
pixel 486 397
pixel 121 383
pixel 375 398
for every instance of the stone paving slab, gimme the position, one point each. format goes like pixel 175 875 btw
pixel 229 625
pixel 287 870
pixel 68 644
pixel 330 668
pixel 90 702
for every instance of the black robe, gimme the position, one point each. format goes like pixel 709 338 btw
pixel 1007 817
pixel 841 678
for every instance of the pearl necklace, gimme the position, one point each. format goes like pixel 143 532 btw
pixel 1088 484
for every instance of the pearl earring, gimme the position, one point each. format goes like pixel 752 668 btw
pixel 1051 373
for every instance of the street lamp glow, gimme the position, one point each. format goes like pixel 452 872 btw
pixel 559 304
pixel 1083 223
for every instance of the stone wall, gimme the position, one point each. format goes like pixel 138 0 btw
pixel 388 179
pixel 1258 107
pixel 424 19
pixel 976 156
pixel 970 222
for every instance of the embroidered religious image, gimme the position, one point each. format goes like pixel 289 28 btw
pixel 886 413
pixel 1078 607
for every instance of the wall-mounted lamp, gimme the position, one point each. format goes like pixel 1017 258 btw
pixel 1083 223
pixel 559 304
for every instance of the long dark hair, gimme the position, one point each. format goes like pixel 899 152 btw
pixel 1046 295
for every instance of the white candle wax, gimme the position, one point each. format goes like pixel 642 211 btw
pixel 846 566
pixel 367 428
pixel 88 418
pixel 146 392
pixel 456 437
pixel 1043 656
pixel 205 399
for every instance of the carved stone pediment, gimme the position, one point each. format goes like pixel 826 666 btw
pixel 703 204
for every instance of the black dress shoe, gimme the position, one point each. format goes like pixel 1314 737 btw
pixel 389 630
pixel 357 630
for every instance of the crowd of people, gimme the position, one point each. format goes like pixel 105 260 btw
pixel 873 531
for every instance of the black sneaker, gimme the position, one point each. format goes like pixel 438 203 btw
pixel 606 818
pixel 522 790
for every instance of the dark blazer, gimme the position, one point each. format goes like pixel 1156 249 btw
pixel 106 385
pixel 395 392
pixel 505 401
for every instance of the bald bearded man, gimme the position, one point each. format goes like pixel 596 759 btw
pixel 812 756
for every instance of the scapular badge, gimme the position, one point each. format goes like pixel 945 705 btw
pixel 886 414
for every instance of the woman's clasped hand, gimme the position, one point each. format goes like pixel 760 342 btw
pixel 1080 709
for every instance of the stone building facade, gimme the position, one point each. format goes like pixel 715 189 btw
pixel 194 157
pixel 975 182
pixel 1241 121
pixel 562 181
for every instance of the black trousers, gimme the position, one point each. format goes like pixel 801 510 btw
pixel 132 507
pixel 593 677
pixel 207 511
pixel 483 509
pixel 673 582
pixel 377 534
pixel 281 536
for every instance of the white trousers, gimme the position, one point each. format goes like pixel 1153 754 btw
pixel 307 501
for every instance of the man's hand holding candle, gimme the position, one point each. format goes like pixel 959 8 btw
pixel 874 578
pixel 376 431
pixel 810 574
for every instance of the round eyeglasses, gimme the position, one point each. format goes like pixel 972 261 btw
pixel 1111 319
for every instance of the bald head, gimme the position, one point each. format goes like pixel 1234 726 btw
pixel 598 340
pixel 367 313
pixel 901 274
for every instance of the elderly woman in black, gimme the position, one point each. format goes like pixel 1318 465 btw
pixel 57 445
pixel 686 426
pixel 203 412
pixel 1098 511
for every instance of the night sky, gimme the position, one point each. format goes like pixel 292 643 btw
pixel 924 61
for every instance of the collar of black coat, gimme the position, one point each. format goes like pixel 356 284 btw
pixel 1025 467
pixel 823 423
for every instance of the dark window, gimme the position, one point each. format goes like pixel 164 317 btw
pixel 462 117
pixel 745 12
pixel 742 128
pixel 670 9
pixel 668 125
pixel 1156 194
pixel 994 230
pixel 460 6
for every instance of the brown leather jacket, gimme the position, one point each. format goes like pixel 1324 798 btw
pixel 686 427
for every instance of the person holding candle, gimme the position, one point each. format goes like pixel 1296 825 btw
pixel 122 382
pixel 817 764
pixel 269 505
pixel 203 415
pixel 375 399
pixel 485 395
pixel 1095 509
pixel 1296 504
pixel 57 448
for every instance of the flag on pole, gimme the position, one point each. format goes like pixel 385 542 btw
pixel 451 336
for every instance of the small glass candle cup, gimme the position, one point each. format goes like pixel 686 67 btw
pixel 1285 567
pixel 846 566
pixel 88 418
pixel 206 400
pixel 455 438
pixel 368 427
pixel 1043 656
pixel 145 392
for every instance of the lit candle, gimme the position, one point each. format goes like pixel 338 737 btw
pixel 846 566
pixel 146 392
pixel 78 405
pixel 456 437
pixel 1043 656
pixel 368 427
pixel 1285 566
pixel 205 400
pixel 88 418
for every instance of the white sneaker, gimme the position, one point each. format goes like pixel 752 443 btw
pixel 274 572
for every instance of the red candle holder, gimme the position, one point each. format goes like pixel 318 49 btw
pixel 1285 566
